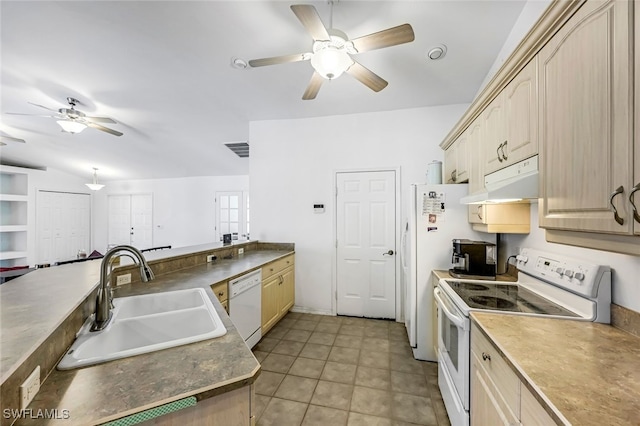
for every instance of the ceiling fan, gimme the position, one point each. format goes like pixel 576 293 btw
pixel 74 121
pixel 332 50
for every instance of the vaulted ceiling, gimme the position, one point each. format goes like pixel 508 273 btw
pixel 162 70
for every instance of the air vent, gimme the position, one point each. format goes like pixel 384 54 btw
pixel 240 148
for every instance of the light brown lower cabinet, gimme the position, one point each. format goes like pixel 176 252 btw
pixel 278 291
pixel 221 290
pixel 233 408
pixel 498 397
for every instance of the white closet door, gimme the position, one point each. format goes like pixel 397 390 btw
pixel 119 219
pixel 131 220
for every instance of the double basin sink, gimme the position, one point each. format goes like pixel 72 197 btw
pixel 146 323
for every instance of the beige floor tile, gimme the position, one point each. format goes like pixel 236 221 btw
pixel 267 383
pixel 266 344
pixel 358 419
pixel 261 403
pixel 400 348
pixel 296 388
pixel 288 347
pixel 281 412
pixel 379 333
pixel 413 409
pixel 277 332
pixel 297 335
pixel 430 369
pixel 294 315
pixel 260 356
pixel 375 344
pixel 277 363
pixel 326 319
pixel 324 416
pixel 351 330
pixel 398 335
pixel 322 338
pixel 414 384
pixel 307 367
pixel 346 341
pixel 347 355
pixel 375 402
pixel 354 321
pixel 303 324
pixel 313 317
pixel 327 327
pixel 334 395
pixel 373 378
pixel 406 364
pixel 315 351
pixel 286 322
pixel 339 372
pixel 374 359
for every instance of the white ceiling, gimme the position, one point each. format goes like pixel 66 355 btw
pixel 162 70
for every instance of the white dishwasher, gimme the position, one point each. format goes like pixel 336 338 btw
pixel 245 306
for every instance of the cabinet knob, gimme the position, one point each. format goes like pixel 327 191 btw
pixel 486 356
pixel 221 294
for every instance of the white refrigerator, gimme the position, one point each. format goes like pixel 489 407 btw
pixel 435 218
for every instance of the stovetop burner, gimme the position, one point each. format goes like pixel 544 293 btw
pixel 505 297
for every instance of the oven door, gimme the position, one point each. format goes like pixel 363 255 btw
pixel 453 347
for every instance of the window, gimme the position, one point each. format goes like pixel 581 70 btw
pixel 233 214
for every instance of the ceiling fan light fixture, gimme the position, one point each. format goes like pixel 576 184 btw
pixel 95 186
pixel 330 62
pixel 70 126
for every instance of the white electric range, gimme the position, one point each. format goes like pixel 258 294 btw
pixel 548 285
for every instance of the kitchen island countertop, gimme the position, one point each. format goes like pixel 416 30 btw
pixel 115 389
pixel 587 373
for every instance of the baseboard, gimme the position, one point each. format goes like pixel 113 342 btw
pixel 303 310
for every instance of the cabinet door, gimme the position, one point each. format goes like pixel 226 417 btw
pixel 585 126
pixel 462 158
pixel 494 134
pixel 636 181
pixel 533 414
pixel 270 309
pixel 450 163
pixel 521 115
pixel 475 156
pixel 286 291
pixel 476 213
pixel 485 408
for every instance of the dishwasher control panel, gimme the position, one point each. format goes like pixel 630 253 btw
pixel 245 282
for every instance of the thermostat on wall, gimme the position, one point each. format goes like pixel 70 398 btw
pixel 318 208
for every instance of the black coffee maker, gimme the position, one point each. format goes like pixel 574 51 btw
pixel 473 259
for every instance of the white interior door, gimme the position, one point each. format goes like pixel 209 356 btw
pixel 366 236
pixel 131 220
pixel 63 225
pixel 233 214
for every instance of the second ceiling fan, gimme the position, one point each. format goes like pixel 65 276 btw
pixel 332 50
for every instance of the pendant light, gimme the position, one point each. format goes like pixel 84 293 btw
pixel 95 186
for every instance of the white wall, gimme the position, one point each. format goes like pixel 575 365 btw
pixel 292 166
pixel 183 208
pixel 532 10
pixel 626 269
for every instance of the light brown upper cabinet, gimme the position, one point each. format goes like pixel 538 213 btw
pixel 476 156
pixel 456 161
pixel 634 198
pixel 586 96
pixel 510 122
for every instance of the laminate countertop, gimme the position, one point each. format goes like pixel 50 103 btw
pixel 582 373
pixel 108 391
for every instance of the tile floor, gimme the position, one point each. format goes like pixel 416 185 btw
pixel 332 371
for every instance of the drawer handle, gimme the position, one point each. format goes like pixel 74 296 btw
pixel 479 212
pixel 486 356
pixel 221 294
pixel 617 217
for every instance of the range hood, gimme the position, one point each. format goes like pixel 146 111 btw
pixel 516 183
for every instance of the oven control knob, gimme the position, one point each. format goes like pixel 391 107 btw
pixel 579 276
pixel 521 258
pixel 568 273
pixel 559 270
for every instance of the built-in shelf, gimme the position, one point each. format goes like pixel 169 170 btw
pixel 14 196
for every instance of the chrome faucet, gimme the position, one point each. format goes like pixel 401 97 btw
pixel 104 301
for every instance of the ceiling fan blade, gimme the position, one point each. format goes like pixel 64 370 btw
pixel 42 106
pixel 10 139
pixel 279 60
pixel 104 129
pixel 32 115
pixel 367 77
pixel 101 119
pixel 309 17
pixel 389 37
pixel 314 87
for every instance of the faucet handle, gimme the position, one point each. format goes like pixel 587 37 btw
pixel 111 293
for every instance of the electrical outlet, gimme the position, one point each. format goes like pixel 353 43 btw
pixel 29 388
pixel 240 250
pixel 123 279
pixel 211 257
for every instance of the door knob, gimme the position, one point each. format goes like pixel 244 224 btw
pixel 390 253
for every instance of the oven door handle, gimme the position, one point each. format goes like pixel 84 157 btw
pixel 460 322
